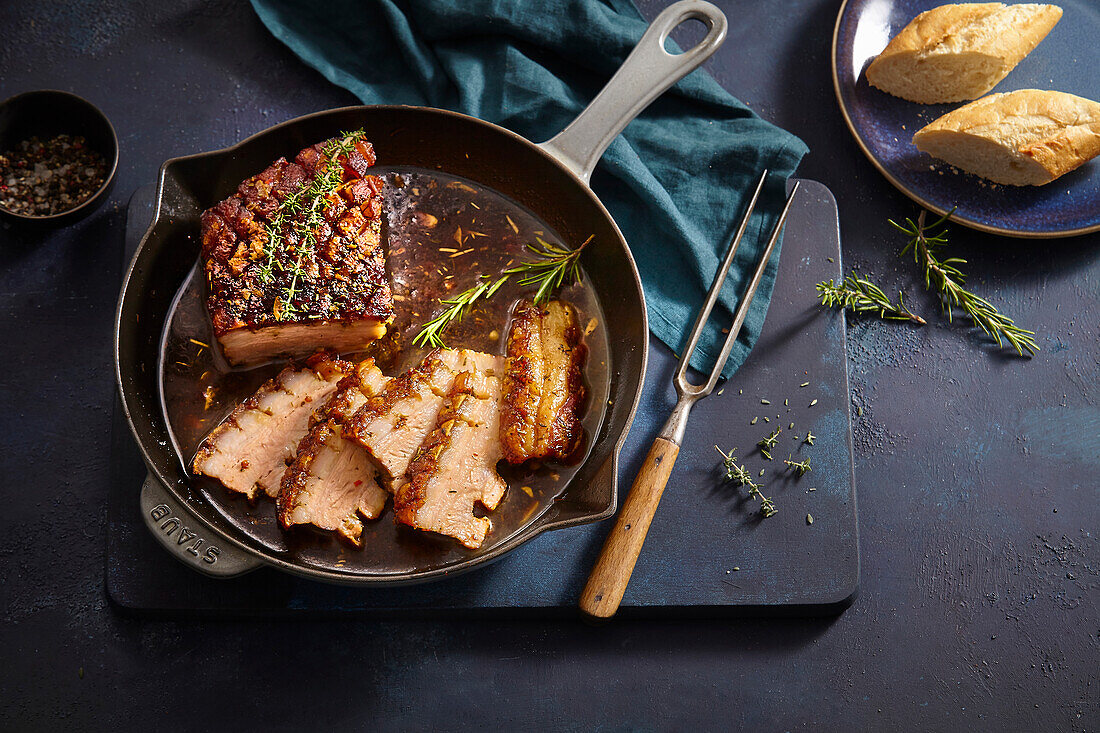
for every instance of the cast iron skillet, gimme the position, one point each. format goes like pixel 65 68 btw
pixel 550 179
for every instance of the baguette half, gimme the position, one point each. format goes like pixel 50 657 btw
pixel 1023 138
pixel 955 53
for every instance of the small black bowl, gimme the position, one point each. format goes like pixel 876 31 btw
pixel 47 113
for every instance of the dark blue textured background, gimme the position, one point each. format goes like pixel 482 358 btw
pixel 977 472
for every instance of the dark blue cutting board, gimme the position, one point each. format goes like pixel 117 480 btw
pixel 707 550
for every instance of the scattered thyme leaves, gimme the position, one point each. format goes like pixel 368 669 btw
pixel 768 443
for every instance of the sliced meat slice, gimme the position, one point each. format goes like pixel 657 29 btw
pixel 543 383
pixel 365 381
pixel 249 451
pixel 393 424
pixel 331 483
pixel 564 355
pixel 456 467
pixel 523 382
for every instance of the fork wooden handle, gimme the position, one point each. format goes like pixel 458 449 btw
pixel 607 583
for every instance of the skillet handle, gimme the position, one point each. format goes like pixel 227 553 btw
pixel 606 585
pixel 186 538
pixel 647 72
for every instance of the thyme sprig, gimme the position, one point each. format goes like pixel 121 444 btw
pixel 556 265
pixel 768 443
pixel 860 295
pixel 737 472
pixel 301 214
pixel 456 309
pixel 948 281
pixel 800 468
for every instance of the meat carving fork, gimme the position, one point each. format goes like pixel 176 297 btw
pixel 607 583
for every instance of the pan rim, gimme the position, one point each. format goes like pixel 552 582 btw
pixel 520 537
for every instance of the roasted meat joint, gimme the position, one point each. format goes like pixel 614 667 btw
pixel 294 259
pixel 295 267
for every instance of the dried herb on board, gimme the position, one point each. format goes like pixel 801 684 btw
pixel 738 473
pixel 800 468
pixel 941 276
pixel 768 443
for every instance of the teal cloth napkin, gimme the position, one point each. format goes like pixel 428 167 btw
pixel 676 180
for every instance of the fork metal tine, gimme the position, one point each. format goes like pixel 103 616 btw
pixel 750 293
pixel 682 384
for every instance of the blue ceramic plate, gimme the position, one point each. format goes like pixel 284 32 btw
pixel 883 125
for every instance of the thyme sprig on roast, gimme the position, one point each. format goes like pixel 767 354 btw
pixel 303 213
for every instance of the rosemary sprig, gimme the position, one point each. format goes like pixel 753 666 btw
pixel 809 439
pixel 556 265
pixel 457 308
pixel 860 295
pixel 738 473
pixel 768 443
pixel 800 468
pixel 948 281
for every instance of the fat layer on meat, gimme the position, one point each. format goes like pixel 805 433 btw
pixel 249 451
pixel 456 467
pixel 393 424
pixel 331 484
pixel 543 383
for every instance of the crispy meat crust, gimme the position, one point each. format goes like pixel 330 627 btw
pixel 523 379
pixel 419 389
pixel 365 381
pixel 345 278
pixel 543 383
